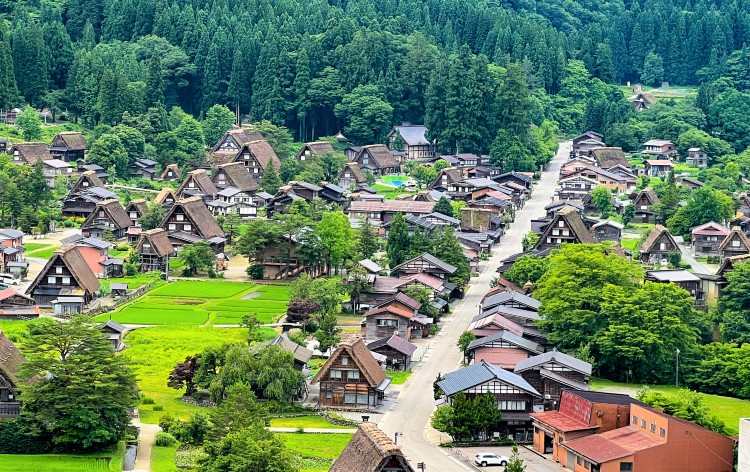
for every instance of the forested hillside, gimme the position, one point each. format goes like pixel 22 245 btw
pixel 321 66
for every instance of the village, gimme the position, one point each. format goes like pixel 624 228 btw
pixel 420 265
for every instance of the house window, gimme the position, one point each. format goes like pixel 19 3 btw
pixel 663 246
pixel 66 280
pixel 180 217
pixel 626 466
pixel 643 422
pixel 735 243
pixel 644 207
pixel 363 400
pixel 353 375
pixel 101 214
pixel 662 432
pixel 579 460
pixel 586 465
pixel 388 323
pixel 58 270
pixel 329 394
pixel 172 227
pixel 653 427
pixel 561 223
pixel 255 170
pixel 51 280
pixel 133 215
pixel 344 360
pixel 635 420
pixel 350 398
pixel 335 374
pixel 146 246
pixel 188 227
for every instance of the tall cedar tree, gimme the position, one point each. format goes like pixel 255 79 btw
pixel 270 181
pixel 367 243
pixel 397 245
pixel 82 392
pixel 443 206
pixel 447 249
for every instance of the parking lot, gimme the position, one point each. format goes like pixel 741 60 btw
pixel 532 461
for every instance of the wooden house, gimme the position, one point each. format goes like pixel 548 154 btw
pixel 81 204
pixel 310 150
pixel 301 354
pixel 29 153
pixel 379 212
pixel 154 250
pixel 706 239
pixel 518 178
pixel 351 378
pixel 425 263
pixel 197 183
pixel 108 215
pixel 11 248
pixel 236 190
pixel 95 252
pixel 351 176
pixel 640 101
pixel 136 209
pixel 235 175
pixel 371 450
pixel 681 278
pixel 115 333
pixel 509 298
pixel 143 167
pixel 351 152
pixel 735 243
pixel 384 321
pixel 689 182
pixel 229 146
pixel 411 140
pixel 189 221
pixel 4 145
pixel 289 193
pixel 566 227
pixel 257 157
pixel 98 170
pixel 68 146
pixel 576 164
pixel 657 246
pixel 397 350
pixel 17 306
pixel 514 395
pixel 503 349
pixel 660 149
pixel 419 325
pixel 575 187
pixel 658 167
pixel 644 202
pixel 551 373
pixel 377 159
pixel 65 275
pixel 614 182
pixel 10 406
pixel 54 168
pixel 166 198
pixel 697 157
pixel 607 231
pixel 171 172
pixel 332 193
pixel 583 142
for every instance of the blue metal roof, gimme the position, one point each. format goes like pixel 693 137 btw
pixel 476 374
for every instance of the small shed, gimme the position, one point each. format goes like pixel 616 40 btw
pixel 66 306
pixel 118 290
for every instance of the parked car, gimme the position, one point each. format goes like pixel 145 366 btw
pixel 9 279
pixel 489 458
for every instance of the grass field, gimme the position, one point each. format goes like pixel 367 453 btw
pixel 311 421
pixel 398 377
pixel 728 409
pixel 155 351
pixel 323 446
pixel 390 192
pixel 199 303
pixel 133 282
pixel 162 459
pixel 63 462
pixel 40 251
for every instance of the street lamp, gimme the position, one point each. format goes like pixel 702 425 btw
pixel 396 436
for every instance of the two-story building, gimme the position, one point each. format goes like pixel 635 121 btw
pixel 588 140
pixel 29 153
pixel 514 395
pixel 657 246
pixel 66 281
pixel 503 349
pixel 314 149
pixel 95 252
pixel 11 248
pixel 397 350
pixel 108 215
pixel 697 157
pixel 258 157
pixel 171 172
pixel 644 205
pixel 607 231
pixel 566 227
pixel 706 239
pixel 377 159
pixel 735 243
pixel 54 168
pixel 68 146
pixel 136 209
pixel 551 373
pixel 412 141
pixel 197 183
pixel 228 147
pixel 658 167
pixel 660 149
pixel 10 406
pixel 351 176
pixel 236 190
pixel 189 221
pixel 351 378
pixel 154 250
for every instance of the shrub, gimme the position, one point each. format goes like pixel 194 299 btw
pixel 158 407
pixel 255 271
pixel 165 440
pixel 146 400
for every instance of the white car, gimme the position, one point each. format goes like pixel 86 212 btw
pixel 488 458
pixel 9 279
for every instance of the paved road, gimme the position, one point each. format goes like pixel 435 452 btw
pixel 697 267
pixel 411 412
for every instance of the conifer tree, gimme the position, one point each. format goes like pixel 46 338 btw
pixel 154 93
pixel 270 181
pixel 398 241
pixel 367 244
pixel 443 206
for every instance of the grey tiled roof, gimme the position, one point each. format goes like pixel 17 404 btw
pixel 480 373
pixel 557 357
pixel 508 337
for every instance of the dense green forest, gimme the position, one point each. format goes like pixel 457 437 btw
pixel 360 65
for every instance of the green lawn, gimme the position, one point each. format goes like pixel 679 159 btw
pixel 43 251
pixel 728 409
pixel 133 282
pixel 390 192
pixel 155 351
pixel 198 303
pixel 324 446
pixel 629 244
pixel 312 421
pixel 398 377
pixel 63 462
pixel 29 247
pixel 162 459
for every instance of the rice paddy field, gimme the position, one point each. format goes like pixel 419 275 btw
pixel 203 303
pixel 63 462
pixel 317 450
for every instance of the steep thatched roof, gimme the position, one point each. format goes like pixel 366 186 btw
pixel 380 155
pixel 159 242
pixel 202 182
pixel 355 171
pixel 31 152
pixel 357 350
pixel 138 205
pixel 175 171
pixel 370 450
pixel 73 140
pixel 317 148
pixel 198 212
pixel 10 359
pixel 263 153
pixel 654 236
pixel 113 210
pixel 608 157
pixel 237 176
pixel 163 194
pixel 76 264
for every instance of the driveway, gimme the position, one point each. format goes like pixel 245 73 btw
pixel 697 267
pixel 411 412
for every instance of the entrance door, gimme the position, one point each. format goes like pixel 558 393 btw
pixel 571 461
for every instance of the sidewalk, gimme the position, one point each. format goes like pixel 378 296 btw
pixel 145 443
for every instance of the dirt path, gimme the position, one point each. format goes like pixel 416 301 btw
pixel 145 443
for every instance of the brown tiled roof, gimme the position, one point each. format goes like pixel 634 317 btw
pixel 609 157
pixel 736 231
pixel 198 212
pixel 356 172
pixel 264 153
pixel 202 182
pixel 139 205
pixel 403 206
pixel 10 358
pixel 175 169
pixel 32 152
pixel 77 266
pixel 710 228
pixel 658 230
pixel 613 444
pixel 239 177
pixel 389 309
pixel 357 350
pixel 114 210
pixel 159 241
pixel 370 450
pixel 74 140
pixel 380 154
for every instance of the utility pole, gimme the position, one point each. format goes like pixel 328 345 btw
pixel 677 369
